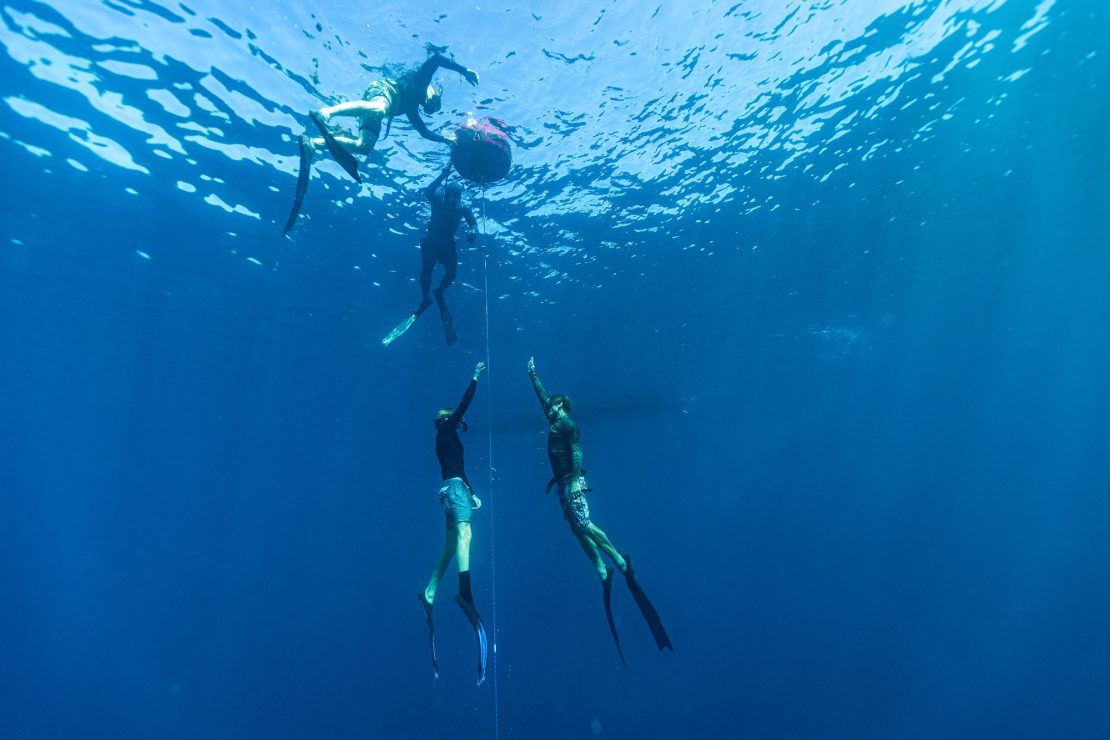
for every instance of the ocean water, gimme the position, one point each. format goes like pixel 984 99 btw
pixel 825 279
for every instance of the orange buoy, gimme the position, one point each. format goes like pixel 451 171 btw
pixel 482 152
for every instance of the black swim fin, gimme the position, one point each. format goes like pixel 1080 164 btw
pixel 479 632
pixel 345 159
pixel 427 609
pixel 302 183
pixel 646 608
pixel 608 595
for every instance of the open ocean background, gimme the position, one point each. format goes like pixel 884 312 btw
pixel 827 281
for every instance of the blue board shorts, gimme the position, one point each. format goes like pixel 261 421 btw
pixel 454 497
pixel 572 497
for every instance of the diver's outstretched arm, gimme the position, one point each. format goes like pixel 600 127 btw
pixel 472 225
pixel 422 129
pixel 435 61
pixel 468 395
pixel 430 191
pixel 537 385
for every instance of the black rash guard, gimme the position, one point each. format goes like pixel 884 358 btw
pixel 449 447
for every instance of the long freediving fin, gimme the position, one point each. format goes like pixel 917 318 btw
pixel 400 329
pixel 427 609
pixel 345 159
pixel 479 632
pixel 405 325
pixel 608 596
pixel 302 183
pixel 650 615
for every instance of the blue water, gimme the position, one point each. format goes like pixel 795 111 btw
pixel 826 281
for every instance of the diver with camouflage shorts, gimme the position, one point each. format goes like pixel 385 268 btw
pixel 565 453
pixel 458 501
pixel 407 95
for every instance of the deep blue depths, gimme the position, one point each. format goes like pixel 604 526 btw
pixel 861 467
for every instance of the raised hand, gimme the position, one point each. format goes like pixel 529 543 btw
pixel 471 76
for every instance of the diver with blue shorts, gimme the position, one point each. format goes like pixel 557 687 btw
pixel 458 501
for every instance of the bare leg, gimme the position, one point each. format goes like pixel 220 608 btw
pixel 450 545
pixel 598 536
pixel 465 598
pixel 355 108
pixel 368 113
pixel 592 553
pixel 367 137
pixel 462 550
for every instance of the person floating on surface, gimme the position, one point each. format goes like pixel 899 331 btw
pixel 383 100
pixel 565 454
pixel 438 245
pixel 458 501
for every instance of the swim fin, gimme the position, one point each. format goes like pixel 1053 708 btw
pixel 405 325
pixel 608 595
pixel 427 609
pixel 345 159
pixel 646 608
pixel 302 183
pixel 479 632
pixel 400 329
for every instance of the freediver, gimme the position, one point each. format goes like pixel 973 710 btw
pixel 439 245
pixel 458 501
pixel 565 453
pixel 406 94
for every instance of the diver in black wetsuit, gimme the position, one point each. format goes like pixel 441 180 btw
pixel 406 95
pixel 439 245
pixel 565 453
pixel 458 501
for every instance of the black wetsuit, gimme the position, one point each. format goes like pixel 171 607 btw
pixel 449 447
pixel 438 244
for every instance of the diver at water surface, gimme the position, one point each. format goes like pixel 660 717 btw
pixel 439 245
pixel 565 453
pixel 458 501
pixel 406 95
